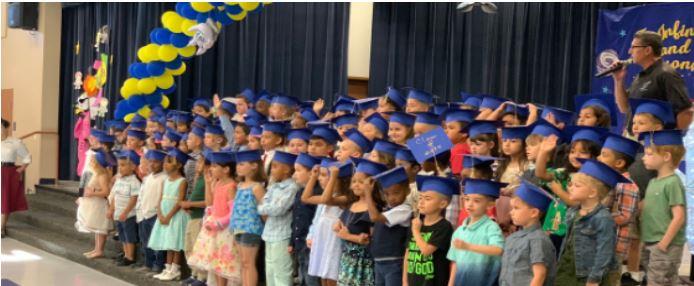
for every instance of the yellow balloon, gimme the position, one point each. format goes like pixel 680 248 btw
pixel 128 117
pixel 231 3
pixel 185 26
pixel 130 86
pixel 180 70
pixel 142 55
pixel 144 111
pixel 164 81
pixel 239 16
pixel 249 6
pixel 201 7
pixel 151 52
pixel 146 85
pixel 164 101
pixel 124 93
pixel 167 16
pixel 167 53
pixel 174 23
pixel 187 52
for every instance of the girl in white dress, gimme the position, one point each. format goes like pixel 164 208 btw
pixel 91 213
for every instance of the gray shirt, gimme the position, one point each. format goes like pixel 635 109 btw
pixel 523 249
pixel 123 189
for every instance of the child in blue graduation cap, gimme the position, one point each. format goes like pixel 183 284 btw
pixel 430 237
pixel 135 141
pixel 587 256
pixel 323 141
pixel 276 207
pixel 529 257
pixel 254 138
pixel 510 170
pixel 282 108
pixel 93 205
pixel 391 224
pixel 455 120
pixel 273 138
pixel 425 122
pixel 384 152
pixel 123 198
pixel 354 228
pixel 170 139
pixel 477 245
pixel 345 122
pixel 355 145
pixel 168 233
pixel 226 112
pixel 482 138
pixel 334 178
pixel 214 249
pixel 202 107
pixel 374 127
pixel 480 168
pixel 116 129
pixel 241 134
pixel 405 159
pixel 214 137
pixel 182 121
pixel 401 127
pixel 663 213
pixel 244 102
pixel 297 141
pixel 146 208
pixel 418 101
pixel 393 100
pixel 302 217
pixel 596 110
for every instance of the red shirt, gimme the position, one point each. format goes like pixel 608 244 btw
pixel 457 153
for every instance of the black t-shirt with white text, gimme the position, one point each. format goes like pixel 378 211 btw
pixel 434 269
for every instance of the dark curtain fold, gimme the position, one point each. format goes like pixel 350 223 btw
pixel 527 52
pixel 299 49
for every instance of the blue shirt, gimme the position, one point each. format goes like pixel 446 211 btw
pixel 302 216
pixel 474 268
pixel 277 205
pixel 524 248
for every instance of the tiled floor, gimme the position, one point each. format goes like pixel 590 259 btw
pixel 25 265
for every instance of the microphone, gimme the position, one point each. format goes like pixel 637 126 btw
pixel 619 66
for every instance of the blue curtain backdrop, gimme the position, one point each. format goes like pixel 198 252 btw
pixel 296 48
pixel 528 52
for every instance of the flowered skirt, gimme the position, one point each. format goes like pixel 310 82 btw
pixel 215 252
pixel 356 265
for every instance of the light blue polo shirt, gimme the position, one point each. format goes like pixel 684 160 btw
pixel 473 268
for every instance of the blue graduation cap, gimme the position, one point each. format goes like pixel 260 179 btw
pixel 602 101
pixel 561 115
pixel 264 95
pixel 138 118
pixel 622 145
pixel 592 134
pixel 355 136
pixel 459 115
pixel 129 155
pixel 520 110
pixel 483 187
pixel 284 100
pixel 179 155
pixel 420 95
pixel 471 100
pixel 197 131
pixel 492 102
pixel 184 137
pixel 155 155
pixel 471 161
pixel 100 157
pixel 158 136
pixel 533 195
pixel 256 131
pixel 201 121
pixel 228 106
pixel 369 167
pixel 306 160
pixel 154 118
pixel 173 135
pixel 171 114
pixel 317 123
pixel 386 146
pixel 182 118
pixel 379 122
pixel 305 104
pixel 391 177
pixel 204 102
pixel 661 138
pixel 428 118
pixel 248 94
pixel 343 104
pixel 601 172
pixel 254 121
pixel 346 169
pixel 440 108
pixel 445 186
pixel 396 97
pixel 346 119
pixel 478 127
pixel 214 129
pixel 544 128
pixel 429 144
pixel 220 157
pixel 159 110
pixel 328 134
pixel 138 125
pixel 252 113
pixel 116 124
pixel 277 127
pixel 367 103
pixel 102 136
pixel 284 158
pixel 139 134
pixel 405 154
pixel 308 114
pixel 660 109
pixel 402 118
pixel 301 133
pixel 248 156
pixel 516 132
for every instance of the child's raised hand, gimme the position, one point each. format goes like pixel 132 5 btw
pixel 215 100
pixel 369 186
pixel 549 143
pixel 334 171
pixel 315 171
pixel 460 244
pixel 318 105
pixel 416 224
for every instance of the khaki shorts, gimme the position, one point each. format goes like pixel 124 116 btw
pixel 661 266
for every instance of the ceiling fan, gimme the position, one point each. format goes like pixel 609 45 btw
pixel 487 7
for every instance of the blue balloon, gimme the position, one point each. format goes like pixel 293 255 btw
pixel 188 12
pixel 131 70
pixel 122 109
pixel 153 99
pixel 169 90
pixel 179 40
pixel 141 70
pixel 202 17
pixel 153 37
pixel 136 102
pixel 156 68
pixel 175 64
pixel 179 8
pixel 233 9
pixel 223 19
pixel 163 36
pixel 217 4
pixel 257 10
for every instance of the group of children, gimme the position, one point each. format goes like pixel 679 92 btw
pixel 339 196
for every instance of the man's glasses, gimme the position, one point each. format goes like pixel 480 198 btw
pixel 638 47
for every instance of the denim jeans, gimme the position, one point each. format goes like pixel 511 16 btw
pixel 302 261
pixel 152 258
pixel 388 273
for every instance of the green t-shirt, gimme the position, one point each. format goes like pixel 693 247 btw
pixel 556 212
pixel 661 196
pixel 197 195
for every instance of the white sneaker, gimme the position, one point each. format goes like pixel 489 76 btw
pixel 167 268
pixel 171 275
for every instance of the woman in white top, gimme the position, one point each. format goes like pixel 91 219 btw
pixel 15 159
